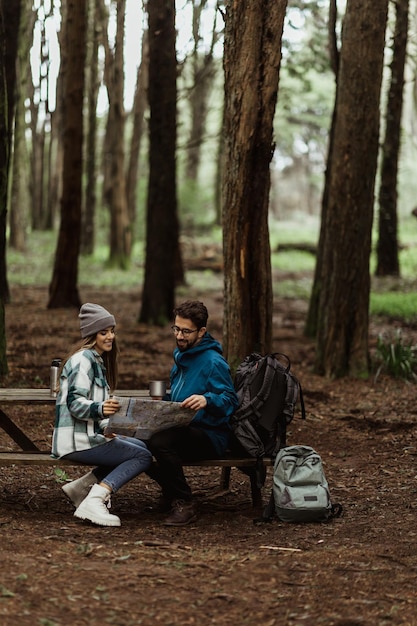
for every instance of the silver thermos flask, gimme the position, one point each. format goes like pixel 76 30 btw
pixel 55 365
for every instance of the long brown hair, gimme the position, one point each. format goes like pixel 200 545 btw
pixel 110 359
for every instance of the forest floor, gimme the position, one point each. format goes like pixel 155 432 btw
pixel 359 569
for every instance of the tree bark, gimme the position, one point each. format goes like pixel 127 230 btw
pixel 311 325
pixel 19 190
pixel 37 143
pixel 9 38
pixel 140 103
pixel 92 82
pixel 120 228
pixel 55 151
pixel 9 28
pixel 63 290
pixel 114 192
pixel 388 263
pixel 162 228
pixel 342 341
pixel 252 55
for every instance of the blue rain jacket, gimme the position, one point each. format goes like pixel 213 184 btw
pixel 204 371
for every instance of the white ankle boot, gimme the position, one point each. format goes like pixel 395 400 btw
pixel 79 489
pixel 94 509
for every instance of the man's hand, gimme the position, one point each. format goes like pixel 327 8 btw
pixel 194 402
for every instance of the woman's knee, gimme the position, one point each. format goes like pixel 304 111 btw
pixel 138 443
pixel 144 454
pixel 140 452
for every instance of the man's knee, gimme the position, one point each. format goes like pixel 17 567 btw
pixel 159 441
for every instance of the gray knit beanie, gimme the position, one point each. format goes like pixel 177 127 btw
pixel 94 318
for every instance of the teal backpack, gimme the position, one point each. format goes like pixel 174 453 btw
pixel 300 492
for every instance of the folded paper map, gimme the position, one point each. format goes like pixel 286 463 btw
pixel 141 418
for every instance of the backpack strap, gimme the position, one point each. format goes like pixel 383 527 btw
pixel 263 393
pixel 275 356
pixel 303 409
pixel 257 402
pixel 294 391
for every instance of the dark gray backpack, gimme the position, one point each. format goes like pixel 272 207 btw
pixel 268 393
pixel 300 492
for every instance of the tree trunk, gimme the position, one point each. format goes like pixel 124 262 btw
pixel 162 233
pixel 114 191
pixel 88 233
pixel 9 37
pixel 9 28
pixel 55 161
pixel 387 249
pixel 252 54
pixel 37 143
pixel 19 190
pixel 311 325
pixel 139 107
pixel 63 288
pixel 55 152
pixel 342 341
pixel 106 157
pixel 120 229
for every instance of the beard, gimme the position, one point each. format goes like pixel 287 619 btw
pixel 185 344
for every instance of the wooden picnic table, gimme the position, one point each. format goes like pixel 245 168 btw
pixel 10 398
pixel 31 454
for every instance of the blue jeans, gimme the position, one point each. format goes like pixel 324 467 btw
pixel 119 460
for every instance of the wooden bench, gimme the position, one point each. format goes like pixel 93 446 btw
pixel 44 458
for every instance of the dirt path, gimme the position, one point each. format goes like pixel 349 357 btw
pixel 224 569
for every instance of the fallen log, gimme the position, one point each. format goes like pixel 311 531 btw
pixel 299 247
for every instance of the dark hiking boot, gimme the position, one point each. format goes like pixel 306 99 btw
pixel 182 513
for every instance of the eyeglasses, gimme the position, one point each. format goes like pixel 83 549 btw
pixel 185 331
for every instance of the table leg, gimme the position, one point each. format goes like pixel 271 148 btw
pixel 16 433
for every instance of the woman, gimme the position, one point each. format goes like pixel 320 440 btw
pixel 82 406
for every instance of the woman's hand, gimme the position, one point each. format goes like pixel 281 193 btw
pixel 110 406
pixel 194 402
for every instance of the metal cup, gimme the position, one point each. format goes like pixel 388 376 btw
pixel 157 389
pixel 55 365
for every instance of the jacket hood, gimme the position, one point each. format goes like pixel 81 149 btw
pixel 207 343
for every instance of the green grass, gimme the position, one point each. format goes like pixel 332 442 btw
pixel 401 305
pixel 35 266
pixel 293 261
pixel 396 357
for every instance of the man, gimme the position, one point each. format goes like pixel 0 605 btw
pixel 201 380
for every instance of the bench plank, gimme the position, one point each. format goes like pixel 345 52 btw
pixel 44 458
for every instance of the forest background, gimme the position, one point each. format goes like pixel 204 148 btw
pixel 268 168
pixel 226 171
